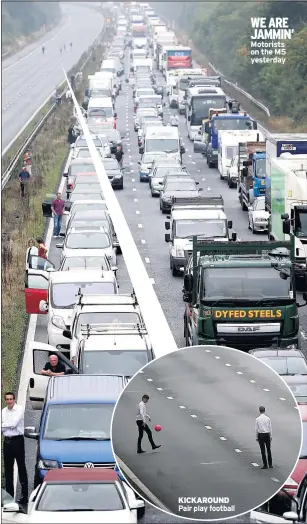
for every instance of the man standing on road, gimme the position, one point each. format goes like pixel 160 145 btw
pixel 141 420
pixel 53 368
pixel 57 208
pixel 12 428
pixel 264 437
pixel 24 178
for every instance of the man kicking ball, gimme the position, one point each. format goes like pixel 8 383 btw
pixel 141 419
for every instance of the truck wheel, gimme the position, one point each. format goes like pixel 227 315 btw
pixel 209 163
pixel 140 513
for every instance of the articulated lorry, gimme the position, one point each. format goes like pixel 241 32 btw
pixel 288 193
pixel 241 295
pixel 251 171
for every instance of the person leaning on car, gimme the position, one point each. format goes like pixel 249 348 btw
pixel 53 368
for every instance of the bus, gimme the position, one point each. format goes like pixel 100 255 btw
pixel 199 101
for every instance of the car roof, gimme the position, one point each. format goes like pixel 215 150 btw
pixel 78 161
pixel 82 275
pixel 116 300
pixel 94 229
pixel 80 475
pixel 75 389
pixel 197 214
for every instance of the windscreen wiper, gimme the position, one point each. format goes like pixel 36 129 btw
pixel 82 438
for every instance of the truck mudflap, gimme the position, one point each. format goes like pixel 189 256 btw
pixel 300 272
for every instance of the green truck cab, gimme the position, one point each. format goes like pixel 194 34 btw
pixel 241 295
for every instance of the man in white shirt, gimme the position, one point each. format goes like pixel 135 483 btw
pixel 264 437
pixel 141 419
pixel 12 427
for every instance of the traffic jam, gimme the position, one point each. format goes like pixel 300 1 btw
pixel 218 209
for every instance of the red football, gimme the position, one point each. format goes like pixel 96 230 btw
pixel 158 427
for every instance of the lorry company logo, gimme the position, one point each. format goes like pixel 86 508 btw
pixel 250 313
pixel 248 328
pixel 288 147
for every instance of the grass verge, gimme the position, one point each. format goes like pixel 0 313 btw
pixel 22 219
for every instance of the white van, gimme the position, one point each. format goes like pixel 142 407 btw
pixel 138 53
pixel 228 142
pixel 141 64
pixel 103 77
pixel 101 89
pixel 99 111
pixel 165 139
pixel 112 66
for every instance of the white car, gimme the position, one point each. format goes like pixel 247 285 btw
pixel 96 240
pixel 75 496
pixel 147 161
pixel 258 217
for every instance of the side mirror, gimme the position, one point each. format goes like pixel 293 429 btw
pixel 65 175
pixel 188 283
pixel 182 150
pixel 43 306
pixel 59 245
pixel 10 507
pixel 137 504
pixel 141 150
pixel 127 80
pixel 229 224
pixel 167 226
pixel 115 115
pixel 291 515
pixel 160 183
pixel 167 237
pixel 164 104
pixel 30 432
pixel 197 183
pixel 199 132
pixel 140 163
pixel 286 226
pixel 234 237
pixel 255 125
pixel 67 334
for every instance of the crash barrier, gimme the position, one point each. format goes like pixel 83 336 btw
pixel 247 95
pixel 157 327
pixel 10 169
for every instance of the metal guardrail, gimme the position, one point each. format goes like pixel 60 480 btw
pixel 8 172
pixel 242 91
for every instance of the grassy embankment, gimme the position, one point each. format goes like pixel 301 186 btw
pixel 22 220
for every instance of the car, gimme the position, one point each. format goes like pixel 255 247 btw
pixel 145 126
pixel 140 91
pixel 298 386
pixel 84 152
pixel 100 143
pixel 157 176
pixel 177 187
pixel 96 240
pixel 76 167
pixel 95 495
pixel 159 90
pixel 115 140
pixel 83 261
pixel 146 164
pixel 93 218
pixel 115 174
pixel 258 217
pixel 286 362
pixel 145 111
pixel 81 205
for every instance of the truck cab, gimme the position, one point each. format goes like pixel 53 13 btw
pixel 241 295
pixel 205 217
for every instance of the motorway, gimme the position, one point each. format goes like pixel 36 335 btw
pixel 207 405
pixel 147 226
pixel 29 77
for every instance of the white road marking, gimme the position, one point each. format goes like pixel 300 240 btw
pixel 170 398
pixel 239 372
pixel 211 463
pixel 228 365
pixel 222 438
pixel 160 389
pixel 253 381
pixel 208 427
pixel 132 179
pixel 147 260
pixel 182 407
pixel 255 464
pixel 193 416
pixel 140 226
pixel 265 389
pixel 143 241
pixel 274 479
pixel 133 189
pixel 282 398
pixel 237 450
pixel 208 350
pixel 152 280
pixel 149 380
pixel 135 200
pixel 217 358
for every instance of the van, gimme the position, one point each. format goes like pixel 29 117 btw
pixel 75 425
pixel 103 76
pixel 163 139
pixel 100 110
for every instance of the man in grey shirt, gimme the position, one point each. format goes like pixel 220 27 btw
pixel 141 419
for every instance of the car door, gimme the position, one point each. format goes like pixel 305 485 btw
pixel 37 284
pixel 39 353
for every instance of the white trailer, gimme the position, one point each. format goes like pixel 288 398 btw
pixel 228 142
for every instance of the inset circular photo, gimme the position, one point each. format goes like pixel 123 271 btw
pixel 206 433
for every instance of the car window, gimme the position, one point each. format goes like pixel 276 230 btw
pixel 85 262
pixel 65 295
pixel 88 240
pixel 37 282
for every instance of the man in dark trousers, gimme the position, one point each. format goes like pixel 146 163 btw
pixel 141 419
pixel 264 437
pixel 12 428
pixel 24 177
pixel 57 208
pixel 119 155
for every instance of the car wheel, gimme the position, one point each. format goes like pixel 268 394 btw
pixel 140 513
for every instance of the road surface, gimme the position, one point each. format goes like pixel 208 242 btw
pixel 147 226
pixel 29 77
pixel 207 404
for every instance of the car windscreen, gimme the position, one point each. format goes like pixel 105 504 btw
pixel 260 168
pixel 153 101
pixel 179 186
pixel 169 145
pixel 81 168
pixel 148 158
pixel 113 362
pixel 100 93
pixel 85 263
pixel 286 365
pixel 110 164
pixel 104 317
pixel 299 391
pixel 79 421
pixel 86 179
pixel 151 118
pixel 87 240
pixel 97 222
pixel 81 142
pixel 65 295
pixel 203 228
pixel 80 497
pixel 162 171
pixel 86 188
pixel 230 152
pixel 102 112
pixel 230 124
pixel 94 214
pixel 143 92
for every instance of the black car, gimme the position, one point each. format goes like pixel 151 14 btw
pixel 115 174
pixel 114 138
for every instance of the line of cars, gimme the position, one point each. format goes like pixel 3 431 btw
pixel 100 338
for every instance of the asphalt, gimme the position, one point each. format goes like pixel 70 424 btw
pixel 29 77
pixel 206 405
pixel 147 226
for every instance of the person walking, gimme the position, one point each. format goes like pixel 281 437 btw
pixel 31 251
pixel 12 428
pixel 119 155
pixel 57 208
pixel 264 437
pixel 71 136
pixel 141 419
pixel 24 178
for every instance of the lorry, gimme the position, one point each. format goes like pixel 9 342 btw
pixel 241 295
pixel 202 138
pixel 276 145
pixel 176 57
pixel 183 84
pixel 228 146
pixel 204 216
pixel 251 170
pixel 288 176
pixel 224 122
pixel 199 100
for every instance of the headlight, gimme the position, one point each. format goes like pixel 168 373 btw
pixel 179 252
pixel 47 464
pixel 58 322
